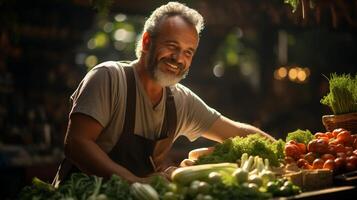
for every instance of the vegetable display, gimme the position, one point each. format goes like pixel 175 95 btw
pixel 239 168
pixel 250 178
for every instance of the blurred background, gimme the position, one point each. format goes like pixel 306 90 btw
pixel 263 62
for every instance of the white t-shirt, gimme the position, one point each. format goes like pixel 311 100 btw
pixel 102 95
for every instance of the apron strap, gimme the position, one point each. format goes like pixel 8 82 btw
pixel 116 153
pixel 163 146
pixel 129 122
pixel 170 118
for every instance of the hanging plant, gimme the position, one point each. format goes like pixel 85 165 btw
pixel 293 3
pixel 305 5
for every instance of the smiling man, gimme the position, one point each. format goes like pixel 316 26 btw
pixel 126 116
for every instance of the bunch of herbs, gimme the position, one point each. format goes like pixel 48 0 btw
pixel 342 97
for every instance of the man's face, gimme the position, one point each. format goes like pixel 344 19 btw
pixel 171 51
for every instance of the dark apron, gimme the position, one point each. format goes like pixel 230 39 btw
pixel 139 155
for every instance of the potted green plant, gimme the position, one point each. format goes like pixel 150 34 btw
pixel 342 100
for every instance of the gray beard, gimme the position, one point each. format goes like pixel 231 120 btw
pixel 165 80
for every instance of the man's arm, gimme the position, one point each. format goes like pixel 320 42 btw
pixel 224 128
pixel 81 149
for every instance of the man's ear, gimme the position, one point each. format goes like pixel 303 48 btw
pixel 146 42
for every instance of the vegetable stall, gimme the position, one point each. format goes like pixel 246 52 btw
pixel 239 168
pixel 305 165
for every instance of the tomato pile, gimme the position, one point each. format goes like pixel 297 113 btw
pixel 336 150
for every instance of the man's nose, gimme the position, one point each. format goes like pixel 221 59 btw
pixel 177 56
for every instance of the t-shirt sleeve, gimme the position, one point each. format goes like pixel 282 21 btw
pixel 93 96
pixel 198 117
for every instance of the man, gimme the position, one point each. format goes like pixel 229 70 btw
pixel 125 116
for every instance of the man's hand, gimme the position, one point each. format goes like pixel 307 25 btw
pixel 146 180
pixel 187 162
pixel 166 174
pixel 196 153
pixel 168 171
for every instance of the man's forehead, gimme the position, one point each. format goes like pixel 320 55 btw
pixel 176 22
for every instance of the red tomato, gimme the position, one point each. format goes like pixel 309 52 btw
pixel 318 146
pixel 348 149
pixel 329 164
pixel 301 162
pixel 307 166
pixel 326 139
pixel 334 142
pixel 302 147
pixel 311 147
pixel 341 155
pixel 349 153
pixel 327 156
pixel 329 135
pixel 322 146
pixel 344 136
pixel 310 157
pixel 293 151
pixel 355 152
pixel 352 159
pixel 302 156
pixel 354 141
pixel 319 135
pixel 354 136
pixel 331 149
pixel 334 134
pixel 340 163
pixel 348 143
pixel 337 131
pixel 340 148
pixel 318 163
pixel 350 166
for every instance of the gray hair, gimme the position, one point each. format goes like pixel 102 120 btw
pixel 170 9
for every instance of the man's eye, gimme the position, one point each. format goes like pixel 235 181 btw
pixel 189 53
pixel 171 46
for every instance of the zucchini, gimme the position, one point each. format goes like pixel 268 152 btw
pixel 186 175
